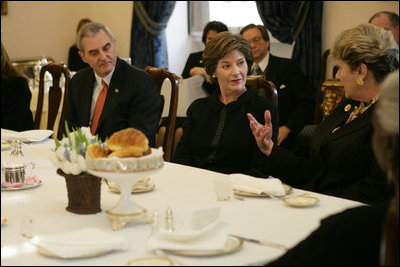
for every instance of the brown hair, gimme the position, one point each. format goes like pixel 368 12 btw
pixel 81 23
pixel 393 17
pixel 261 28
pixel 7 69
pixel 220 45
pixel 368 44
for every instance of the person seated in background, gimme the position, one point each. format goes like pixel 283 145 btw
pixel 295 96
pixel 215 134
pixel 387 20
pixel 75 62
pixel 341 162
pixel 15 97
pixel 111 95
pixel 365 235
pixel 194 66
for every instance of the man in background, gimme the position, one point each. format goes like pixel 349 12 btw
pixel 387 20
pixel 111 95
pixel 295 96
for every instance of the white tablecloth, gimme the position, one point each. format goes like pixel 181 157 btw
pixel 177 186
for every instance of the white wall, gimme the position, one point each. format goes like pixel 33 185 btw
pixel 33 29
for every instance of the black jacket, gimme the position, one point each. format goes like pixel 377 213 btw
pixel 133 100
pixel 295 96
pixel 341 163
pixel 236 151
pixel 15 104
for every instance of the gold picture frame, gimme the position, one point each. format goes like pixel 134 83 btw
pixel 4 10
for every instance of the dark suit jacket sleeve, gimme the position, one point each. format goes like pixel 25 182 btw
pixel 145 109
pixel 192 61
pixel 295 96
pixel 292 170
pixel 15 109
pixel 348 238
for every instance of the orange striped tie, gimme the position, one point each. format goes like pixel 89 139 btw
pixel 99 107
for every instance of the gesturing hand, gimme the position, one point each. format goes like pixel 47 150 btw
pixel 262 133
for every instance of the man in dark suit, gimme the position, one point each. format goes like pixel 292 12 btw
pixel 295 97
pixel 111 95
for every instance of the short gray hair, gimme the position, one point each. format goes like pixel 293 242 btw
pixel 387 110
pixel 90 30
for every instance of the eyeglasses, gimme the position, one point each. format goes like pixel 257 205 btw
pixel 255 40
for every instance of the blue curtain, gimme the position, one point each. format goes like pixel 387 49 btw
pixel 300 22
pixel 148 40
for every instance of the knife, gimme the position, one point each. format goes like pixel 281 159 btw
pixel 261 242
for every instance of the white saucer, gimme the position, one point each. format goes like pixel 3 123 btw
pixel 300 201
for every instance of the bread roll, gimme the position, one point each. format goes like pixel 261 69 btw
pixel 128 142
pixel 97 151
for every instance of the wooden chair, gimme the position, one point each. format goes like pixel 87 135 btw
pixel 259 82
pixel 55 96
pixel 326 87
pixel 159 75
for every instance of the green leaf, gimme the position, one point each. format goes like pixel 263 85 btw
pixel 57 143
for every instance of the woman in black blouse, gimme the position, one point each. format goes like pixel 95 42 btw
pixel 15 97
pixel 216 134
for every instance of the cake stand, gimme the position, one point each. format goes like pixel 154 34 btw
pixel 125 172
pixel 126 209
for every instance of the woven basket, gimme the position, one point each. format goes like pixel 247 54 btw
pixel 83 193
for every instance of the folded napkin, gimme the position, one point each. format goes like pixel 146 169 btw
pixel 26 136
pixel 80 243
pixel 246 183
pixel 213 239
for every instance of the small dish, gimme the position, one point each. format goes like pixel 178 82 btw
pixel 19 186
pixel 232 245
pixel 151 261
pixel 300 201
pixel 288 189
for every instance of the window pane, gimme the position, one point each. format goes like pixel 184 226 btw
pixel 235 13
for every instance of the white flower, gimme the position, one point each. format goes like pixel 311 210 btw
pixel 69 153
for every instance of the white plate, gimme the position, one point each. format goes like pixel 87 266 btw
pixel 232 244
pixel 26 136
pixel 151 261
pixel 300 201
pixel 288 189
pixel 49 254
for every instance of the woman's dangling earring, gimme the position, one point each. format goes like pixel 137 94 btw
pixel 360 81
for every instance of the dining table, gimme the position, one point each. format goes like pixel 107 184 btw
pixel 42 210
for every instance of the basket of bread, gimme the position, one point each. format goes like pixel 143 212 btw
pixel 126 150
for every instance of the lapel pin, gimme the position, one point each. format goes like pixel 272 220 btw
pixel 347 107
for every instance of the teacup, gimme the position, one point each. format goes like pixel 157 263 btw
pixel 15 173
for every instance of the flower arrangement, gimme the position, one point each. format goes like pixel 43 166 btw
pixel 69 153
